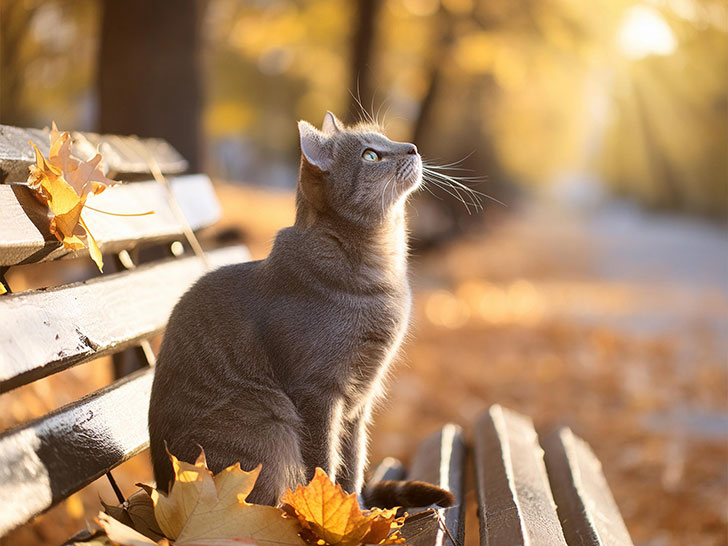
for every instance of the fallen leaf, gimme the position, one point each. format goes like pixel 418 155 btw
pixel 331 516
pixel 63 183
pixel 122 534
pixel 137 512
pixel 202 509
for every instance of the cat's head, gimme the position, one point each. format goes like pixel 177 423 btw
pixel 355 172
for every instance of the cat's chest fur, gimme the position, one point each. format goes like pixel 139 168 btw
pixel 336 325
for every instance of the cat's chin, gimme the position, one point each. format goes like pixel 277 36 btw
pixel 411 184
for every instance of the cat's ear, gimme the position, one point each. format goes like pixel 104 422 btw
pixel 331 124
pixel 315 147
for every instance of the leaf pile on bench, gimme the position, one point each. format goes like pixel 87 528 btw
pixel 202 508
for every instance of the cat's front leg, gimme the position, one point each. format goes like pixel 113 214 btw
pixel 321 441
pixel 354 452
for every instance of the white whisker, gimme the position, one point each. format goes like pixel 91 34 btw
pixel 434 175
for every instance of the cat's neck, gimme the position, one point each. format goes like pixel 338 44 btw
pixel 343 252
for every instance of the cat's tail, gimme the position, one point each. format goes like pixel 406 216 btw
pixel 389 493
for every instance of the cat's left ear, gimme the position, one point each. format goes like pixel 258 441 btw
pixel 315 146
pixel 331 124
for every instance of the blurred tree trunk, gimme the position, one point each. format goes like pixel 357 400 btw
pixel 444 216
pixel 361 53
pixel 438 58
pixel 15 20
pixel 149 73
pixel 149 84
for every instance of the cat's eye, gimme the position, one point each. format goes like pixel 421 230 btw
pixel 370 155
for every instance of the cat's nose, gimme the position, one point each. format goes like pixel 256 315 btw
pixel 411 149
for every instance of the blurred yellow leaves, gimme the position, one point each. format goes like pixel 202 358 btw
pixel 475 52
pixel 518 302
pixel 528 303
pixel 228 117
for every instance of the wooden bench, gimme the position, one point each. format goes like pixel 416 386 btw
pixel 42 462
pixel 45 331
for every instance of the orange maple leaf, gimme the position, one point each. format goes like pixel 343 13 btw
pixel 63 182
pixel 329 516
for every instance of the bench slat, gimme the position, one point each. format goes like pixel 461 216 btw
pixel 389 469
pixel 25 235
pixel 121 153
pixel 515 504
pixel 588 513
pixel 47 331
pixel 48 459
pixel 440 460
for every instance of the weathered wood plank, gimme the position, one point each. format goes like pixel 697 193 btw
pixel 440 460
pixel 588 513
pixel 122 154
pixel 44 332
pixel 48 459
pixel 515 505
pixel 25 236
pixel 389 469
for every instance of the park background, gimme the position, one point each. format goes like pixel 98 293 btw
pixel 589 290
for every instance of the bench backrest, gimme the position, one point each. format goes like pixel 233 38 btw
pixel 45 331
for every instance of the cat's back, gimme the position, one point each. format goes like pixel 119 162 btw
pixel 216 311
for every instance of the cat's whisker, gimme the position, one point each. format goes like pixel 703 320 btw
pixel 427 188
pixel 443 168
pixel 452 164
pixel 457 181
pixel 364 116
pixel 473 199
pixel 453 191
pixel 451 183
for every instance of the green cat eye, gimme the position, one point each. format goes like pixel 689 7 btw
pixel 370 155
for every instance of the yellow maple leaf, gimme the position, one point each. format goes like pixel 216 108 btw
pixel 63 183
pixel 332 517
pixel 202 509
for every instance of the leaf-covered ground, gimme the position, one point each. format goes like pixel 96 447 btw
pixel 612 324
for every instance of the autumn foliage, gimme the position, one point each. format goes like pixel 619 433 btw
pixel 63 182
pixel 205 509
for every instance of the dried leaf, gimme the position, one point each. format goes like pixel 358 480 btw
pixel 63 183
pixel 137 512
pixel 331 516
pixel 202 509
pixel 122 534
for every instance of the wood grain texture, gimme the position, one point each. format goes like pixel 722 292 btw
pixel 48 459
pixel 25 237
pixel 440 460
pixel 515 505
pixel 588 513
pixel 47 331
pixel 121 154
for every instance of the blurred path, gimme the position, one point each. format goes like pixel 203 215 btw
pixel 683 261
pixel 611 321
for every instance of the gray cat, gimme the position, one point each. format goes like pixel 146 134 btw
pixel 280 361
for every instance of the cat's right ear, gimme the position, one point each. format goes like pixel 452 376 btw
pixel 315 146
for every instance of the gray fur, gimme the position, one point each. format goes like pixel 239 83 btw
pixel 279 362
